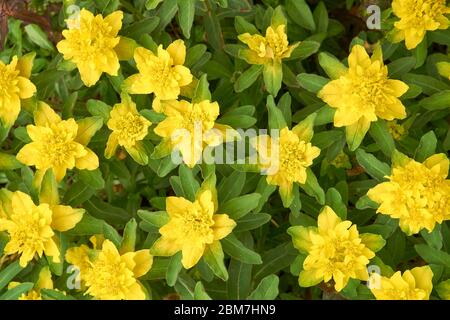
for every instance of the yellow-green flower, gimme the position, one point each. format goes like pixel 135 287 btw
pixel 190 128
pixel 269 51
pixel 273 47
pixel 162 74
pixel 335 250
pixel 414 284
pixel 93 45
pixel 397 131
pixel 192 227
pixel 416 18
pixel 129 128
pixel 286 158
pixel 109 275
pixel 14 86
pixel 418 194
pixel 31 228
pixel 44 282
pixel 59 144
pixel 362 94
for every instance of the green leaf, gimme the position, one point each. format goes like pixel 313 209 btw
pixel 312 82
pixel 104 210
pixel 236 249
pixel 16 292
pixel 78 193
pixel 433 256
pixel 312 187
pixel 99 108
pixel 50 294
pixel 155 218
pixel 8 273
pixel 304 50
pixel 276 118
pixel 434 238
pixel 331 65
pixel 173 269
pixel 230 187
pixel 38 37
pixel 243 26
pixel 380 133
pixel 372 165
pixel 9 162
pixel 401 66
pixel 238 207
pixel 321 17
pixel 213 256
pixel 188 183
pixel 186 13
pixel 267 289
pixel 200 292
pixel 273 75
pixel 92 178
pixel 427 146
pixel 301 14
pixel 202 91
pixel 428 84
pixel 252 221
pixel 248 77
pixel 334 200
pixel 129 237
pixel 138 28
pixel 438 101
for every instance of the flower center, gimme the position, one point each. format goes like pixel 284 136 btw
pixel 293 159
pixel 58 147
pixel 131 128
pixel 197 223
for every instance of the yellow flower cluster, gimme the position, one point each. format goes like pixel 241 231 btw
pixel 418 194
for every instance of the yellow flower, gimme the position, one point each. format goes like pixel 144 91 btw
pixel 190 127
pixel 363 94
pixel 162 74
pixel 414 284
pixel 59 144
pixel 109 275
pixel 396 130
pixel 192 226
pixel 262 50
pixel 268 51
pixel 444 69
pixel 335 250
pixel 44 282
pixel 285 159
pixel 418 194
pixel 416 18
pixel 129 128
pixel 31 228
pixel 14 86
pixel 92 44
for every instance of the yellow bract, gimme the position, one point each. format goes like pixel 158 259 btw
pixel 190 127
pixel 364 93
pixel 335 250
pixel 128 127
pixel 191 228
pixel 416 18
pixel 273 47
pixel 162 74
pixel 90 43
pixel 285 159
pixel 14 86
pixel 31 228
pixel 110 275
pixel 418 194
pixel 58 144
pixel 415 284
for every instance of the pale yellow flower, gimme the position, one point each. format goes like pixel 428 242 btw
pixel 414 284
pixel 416 18
pixel 59 144
pixel 91 43
pixel 191 228
pixel 335 250
pixel 15 86
pixel 162 74
pixel 418 194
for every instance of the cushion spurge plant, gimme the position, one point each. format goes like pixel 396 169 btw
pixel 225 150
